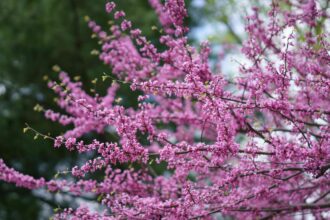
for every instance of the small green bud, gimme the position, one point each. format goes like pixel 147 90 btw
pixel 25 129
pixel 94 81
pixel 57 210
pixel 86 18
pixel 56 68
pixel 104 78
pixel 95 52
pixel 118 100
pixel 100 197
pixel 38 108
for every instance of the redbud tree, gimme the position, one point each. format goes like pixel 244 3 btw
pixel 256 146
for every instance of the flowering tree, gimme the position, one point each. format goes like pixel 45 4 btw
pixel 257 146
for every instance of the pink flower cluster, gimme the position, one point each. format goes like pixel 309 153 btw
pixel 255 147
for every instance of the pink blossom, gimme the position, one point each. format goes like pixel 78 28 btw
pixel 109 7
pixel 125 25
pixel 58 141
pixel 119 14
